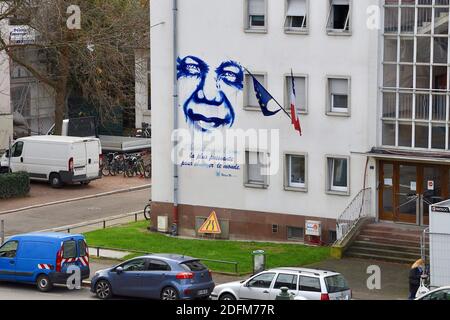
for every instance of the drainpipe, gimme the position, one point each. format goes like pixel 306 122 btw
pixel 175 118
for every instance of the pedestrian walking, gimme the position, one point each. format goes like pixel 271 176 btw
pixel 415 274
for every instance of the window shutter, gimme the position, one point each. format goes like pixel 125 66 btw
pixel 296 8
pixel 339 86
pixel 256 8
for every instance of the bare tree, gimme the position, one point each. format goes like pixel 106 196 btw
pixel 97 59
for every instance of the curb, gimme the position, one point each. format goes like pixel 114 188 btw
pixel 99 195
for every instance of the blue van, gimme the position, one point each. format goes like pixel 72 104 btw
pixel 43 258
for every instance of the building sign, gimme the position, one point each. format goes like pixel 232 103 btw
pixel 22 35
pixel 440 209
pixel 313 228
pixel 430 185
pixel 211 225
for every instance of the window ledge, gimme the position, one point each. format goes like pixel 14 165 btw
pixel 147 113
pixel 249 30
pixel 256 186
pixel 339 33
pixel 294 189
pixel 339 114
pixel 251 108
pixel 296 31
pixel 338 193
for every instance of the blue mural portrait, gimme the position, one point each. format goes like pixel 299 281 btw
pixel 209 92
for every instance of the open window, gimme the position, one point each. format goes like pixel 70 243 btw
pixel 296 16
pixel 339 16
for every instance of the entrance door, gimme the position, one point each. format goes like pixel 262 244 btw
pixel 407 194
pixel 406 190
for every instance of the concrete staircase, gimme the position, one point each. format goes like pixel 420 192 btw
pixel 387 242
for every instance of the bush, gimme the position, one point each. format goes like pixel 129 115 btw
pixel 14 185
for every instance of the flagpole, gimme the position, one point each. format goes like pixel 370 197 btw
pixel 289 116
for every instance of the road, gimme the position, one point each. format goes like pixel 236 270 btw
pixel 74 212
pixel 13 291
pixel 29 292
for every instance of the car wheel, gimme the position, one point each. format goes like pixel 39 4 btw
pixel 169 293
pixel 227 296
pixel 103 290
pixel 43 283
pixel 55 180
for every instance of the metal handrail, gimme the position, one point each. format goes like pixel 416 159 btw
pixel 359 208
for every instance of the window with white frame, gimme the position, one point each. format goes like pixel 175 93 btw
pixel 339 16
pixel 338 174
pixel 256 173
pixel 256 14
pixel 301 93
pixel 296 15
pixel 339 95
pixel 296 171
pixel 250 100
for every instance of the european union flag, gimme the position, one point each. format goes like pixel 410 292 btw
pixel 264 98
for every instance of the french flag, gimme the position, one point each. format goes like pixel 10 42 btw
pixel 294 115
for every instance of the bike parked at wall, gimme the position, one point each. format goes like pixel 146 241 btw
pixel 130 165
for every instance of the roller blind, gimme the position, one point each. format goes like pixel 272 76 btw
pixel 256 7
pixel 296 8
pixel 341 2
pixel 300 90
pixel 339 86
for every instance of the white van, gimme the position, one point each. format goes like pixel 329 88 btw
pixel 57 159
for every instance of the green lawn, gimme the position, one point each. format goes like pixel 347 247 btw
pixel 136 237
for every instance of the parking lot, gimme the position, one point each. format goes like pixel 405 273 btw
pixel 394 285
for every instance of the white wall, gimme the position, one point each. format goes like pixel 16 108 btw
pixel 220 37
pixel 6 121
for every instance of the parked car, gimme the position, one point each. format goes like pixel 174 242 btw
pixel 59 160
pixel 442 293
pixel 43 259
pixel 162 276
pixel 303 284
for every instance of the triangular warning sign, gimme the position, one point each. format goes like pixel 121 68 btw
pixel 211 225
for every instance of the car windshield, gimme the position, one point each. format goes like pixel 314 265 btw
pixel 336 283
pixel 194 265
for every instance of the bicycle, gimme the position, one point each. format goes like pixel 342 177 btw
pixel 148 210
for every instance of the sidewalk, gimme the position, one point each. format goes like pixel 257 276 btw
pixel 394 278
pixel 42 193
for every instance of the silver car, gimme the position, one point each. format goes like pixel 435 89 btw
pixel 303 284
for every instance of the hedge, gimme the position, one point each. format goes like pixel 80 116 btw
pixel 14 185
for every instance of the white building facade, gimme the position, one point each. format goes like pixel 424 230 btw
pixel 6 118
pixel 345 87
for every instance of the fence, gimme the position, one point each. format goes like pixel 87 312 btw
pixel 100 223
pixel 233 264
pixel 435 249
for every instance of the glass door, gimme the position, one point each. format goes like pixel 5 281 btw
pixel 386 191
pixel 407 194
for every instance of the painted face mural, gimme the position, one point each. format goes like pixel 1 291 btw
pixel 209 92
